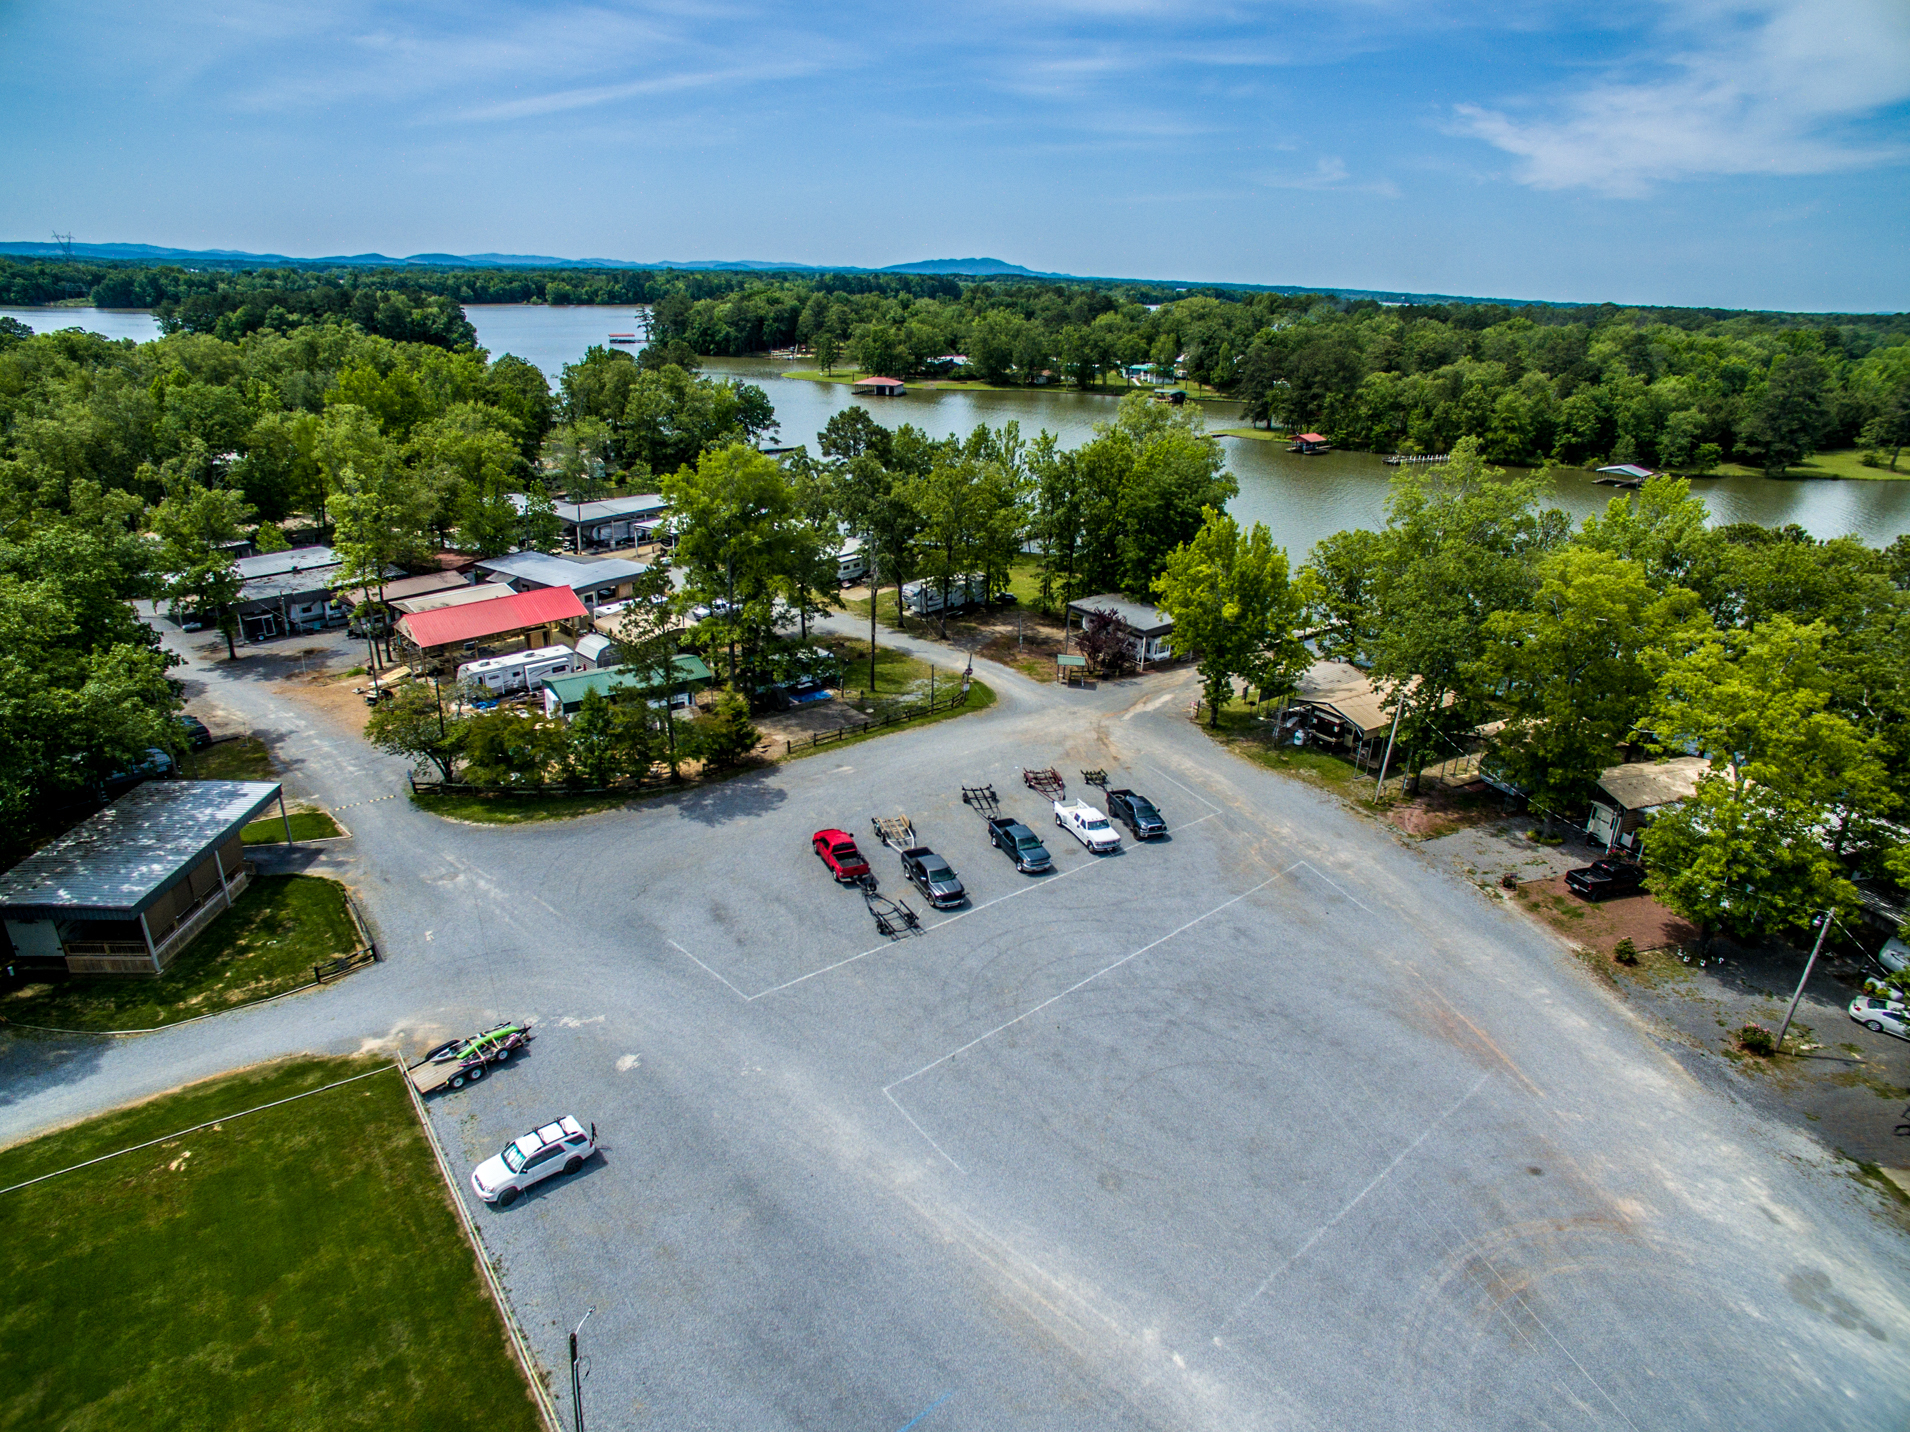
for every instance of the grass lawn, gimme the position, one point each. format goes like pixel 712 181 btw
pixel 1239 731
pixel 980 697
pixel 245 759
pixel 515 810
pixel 1847 463
pixel 297 1268
pixel 267 942
pixel 1258 434
pixel 306 825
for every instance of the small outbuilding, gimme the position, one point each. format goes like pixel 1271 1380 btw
pixel 1309 443
pixel 125 891
pixel 688 675
pixel 878 386
pixel 1628 796
pixel 1145 625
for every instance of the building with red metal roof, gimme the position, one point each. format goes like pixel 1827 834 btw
pixel 433 632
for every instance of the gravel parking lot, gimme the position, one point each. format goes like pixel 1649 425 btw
pixel 1274 1123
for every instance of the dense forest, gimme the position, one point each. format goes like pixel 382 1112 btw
pixel 1679 389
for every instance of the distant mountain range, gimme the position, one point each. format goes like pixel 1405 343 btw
pixel 964 268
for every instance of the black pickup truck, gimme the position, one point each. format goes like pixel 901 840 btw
pixel 1137 813
pixel 933 876
pixel 1604 877
pixel 1020 844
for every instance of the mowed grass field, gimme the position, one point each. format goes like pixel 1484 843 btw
pixel 265 944
pixel 295 1268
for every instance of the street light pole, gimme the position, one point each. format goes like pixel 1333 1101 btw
pixel 1823 929
pixel 578 1372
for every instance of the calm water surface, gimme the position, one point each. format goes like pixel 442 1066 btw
pixel 1300 499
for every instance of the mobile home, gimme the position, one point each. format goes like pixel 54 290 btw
pixel 852 563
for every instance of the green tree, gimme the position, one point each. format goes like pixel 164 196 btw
pixel 1573 669
pixel 196 527
pixel 502 749
pixel 379 523
pixel 739 520
pixel 723 737
pixel 576 455
pixel 1787 422
pixel 414 723
pixel 1234 608
pixel 608 741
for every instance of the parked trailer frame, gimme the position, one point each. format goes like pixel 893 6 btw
pixel 1047 781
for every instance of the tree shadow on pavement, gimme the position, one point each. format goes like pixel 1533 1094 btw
pixel 752 793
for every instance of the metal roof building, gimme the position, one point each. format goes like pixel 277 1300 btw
pixel 1147 625
pixel 538 611
pixel 566 693
pixel 127 889
pixel 601 579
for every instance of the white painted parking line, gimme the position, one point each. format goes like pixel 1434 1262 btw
pixel 707 970
pixel 1358 1198
pixel 888 1089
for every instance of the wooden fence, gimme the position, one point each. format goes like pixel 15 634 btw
pixel 876 723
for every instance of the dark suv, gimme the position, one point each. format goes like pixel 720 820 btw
pixel 933 876
pixel 1604 877
pixel 1137 813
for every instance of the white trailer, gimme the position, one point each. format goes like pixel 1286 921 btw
pixel 517 670
pixel 924 598
pixel 852 563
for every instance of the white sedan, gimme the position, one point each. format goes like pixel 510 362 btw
pixel 1881 1015
pixel 549 1149
pixel 1087 825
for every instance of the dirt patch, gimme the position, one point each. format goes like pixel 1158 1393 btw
pixel 1602 924
pixel 332 695
pixel 1440 810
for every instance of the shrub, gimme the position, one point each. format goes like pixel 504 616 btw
pixel 1873 458
pixel 1756 1039
pixel 1625 952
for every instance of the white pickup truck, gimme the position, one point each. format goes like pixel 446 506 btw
pixel 1087 825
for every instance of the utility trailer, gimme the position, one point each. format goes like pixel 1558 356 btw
pixel 983 799
pixel 460 1061
pixel 894 831
pixel 893 918
pixel 1095 777
pixel 1048 782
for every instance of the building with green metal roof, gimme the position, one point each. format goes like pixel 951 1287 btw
pixel 564 694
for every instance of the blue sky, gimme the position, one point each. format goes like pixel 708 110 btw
pixel 1665 151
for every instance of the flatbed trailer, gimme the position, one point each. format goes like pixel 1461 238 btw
pixel 462 1061
pixel 892 917
pixel 895 831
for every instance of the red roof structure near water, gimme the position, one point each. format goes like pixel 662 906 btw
pixel 446 626
pixel 1311 438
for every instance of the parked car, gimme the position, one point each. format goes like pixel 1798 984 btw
pixel 531 1158
pixel 1020 844
pixel 1087 825
pixel 1894 956
pixel 933 876
pixel 1604 877
pixel 1881 1015
pixel 155 765
pixel 197 736
pixel 837 850
pixel 1137 813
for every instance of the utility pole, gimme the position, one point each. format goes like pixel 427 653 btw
pixel 1399 709
pixel 579 1370
pixel 65 241
pixel 1823 928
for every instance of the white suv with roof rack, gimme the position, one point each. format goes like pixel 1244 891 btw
pixel 531 1158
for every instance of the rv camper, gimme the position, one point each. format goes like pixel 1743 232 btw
pixel 516 670
pixel 924 598
pixel 852 564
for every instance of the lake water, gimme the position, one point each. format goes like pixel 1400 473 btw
pixel 1301 499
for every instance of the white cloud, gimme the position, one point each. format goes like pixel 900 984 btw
pixel 1780 87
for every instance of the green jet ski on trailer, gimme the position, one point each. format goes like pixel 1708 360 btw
pixel 451 1065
